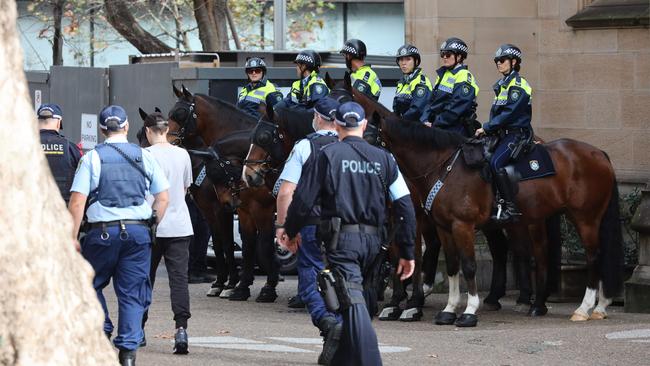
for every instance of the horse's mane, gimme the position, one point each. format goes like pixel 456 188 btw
pixel 295 122
pixel 414 132
pixel 220 103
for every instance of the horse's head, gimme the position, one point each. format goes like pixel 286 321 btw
pixel 183 117
pixel 373 131
pixel 151 117
pixel 266 152
pixel 340 90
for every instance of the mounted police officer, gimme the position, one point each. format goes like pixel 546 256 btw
pixel 310 260
pixel 510 119
pixel 62 154
pixel 259 91
pixel 363 77
pixel 309 87
pixel 454 93
pixel 352 180
pixel 115 177
pixel 414 88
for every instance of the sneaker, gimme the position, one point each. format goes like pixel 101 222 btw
pixel 180 342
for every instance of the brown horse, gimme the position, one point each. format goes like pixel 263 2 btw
pixel 198 121
pixel 584 187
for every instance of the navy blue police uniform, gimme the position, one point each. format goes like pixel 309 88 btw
pixel 116 176
pixel 306 91
pixel 254 94
pixel 309 256
pixel 62 154
pixel 349 179
pixel 414 89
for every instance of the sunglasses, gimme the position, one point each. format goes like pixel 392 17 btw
pixel 254 71
pixel 446 54
pixel 500 60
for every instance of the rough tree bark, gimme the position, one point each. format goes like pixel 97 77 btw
pixel 49 313
pixel 212 23
pixel 57 42
pixel 120 17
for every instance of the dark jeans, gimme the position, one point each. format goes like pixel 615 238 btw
pixel 175 252
pixel 199 242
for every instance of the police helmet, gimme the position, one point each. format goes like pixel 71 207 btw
pixel 255 63
pixel 508 51
pixel 408 50
pixel 455 45
pixel 354 47
pixel 310 58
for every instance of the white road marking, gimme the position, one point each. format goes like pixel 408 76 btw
pixel 220 340
pixel 318 341
pixel 393 349
pixel 257 347
pixel 227 342
pixel 627 334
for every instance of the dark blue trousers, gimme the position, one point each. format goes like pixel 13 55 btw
pixel 354 254
pixel 126 261
pixel 310 262
pixel 501 155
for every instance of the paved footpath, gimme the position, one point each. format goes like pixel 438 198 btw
pixel 225 332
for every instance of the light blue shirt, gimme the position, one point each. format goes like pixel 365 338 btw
pixel 86 179
pixel 398 188
pixel 298 157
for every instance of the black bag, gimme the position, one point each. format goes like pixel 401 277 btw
pixel 473 153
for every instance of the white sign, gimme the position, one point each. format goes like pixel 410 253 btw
pixel 37 99
pixel 88 131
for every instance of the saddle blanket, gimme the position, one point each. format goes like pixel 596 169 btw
pixel 535 164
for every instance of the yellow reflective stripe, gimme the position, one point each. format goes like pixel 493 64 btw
pixel 259 93
pixel 418 80
pixel 502 98
pixel 375 88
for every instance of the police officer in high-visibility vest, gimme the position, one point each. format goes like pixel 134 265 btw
pixel 309 87
pixel 115 177
pixel 454 93
pixel 363 77
pixel 352 180
pixel 62 154
pixel 309 259
pixel 259 92
pixel 510 118
pixel 414 88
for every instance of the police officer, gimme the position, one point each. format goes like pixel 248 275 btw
pixel 414 88
pixel 353 179
pixel 309 87
pixel 455 90
pixel 363 77
pixel 509 118
pixel 115 177
pixel 259 91
pixel 310 260
pixel 62 154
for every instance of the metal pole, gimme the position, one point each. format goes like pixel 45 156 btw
pixel 279 24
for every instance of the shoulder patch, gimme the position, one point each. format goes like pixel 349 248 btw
pixel 465 90
pixel 419 91
pixel 515 95
pixel 318 89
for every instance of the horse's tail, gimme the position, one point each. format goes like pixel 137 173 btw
pixel 610 254
pixel 554 235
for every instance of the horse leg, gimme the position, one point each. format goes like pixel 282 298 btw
pixel 540 251
pixel 448 315
pixel 413 311
pixel 463 234
pixel 391 310
pixel 589 235
pixel 226 234
pixel 267 254
pixel 499 250
pixel 249 241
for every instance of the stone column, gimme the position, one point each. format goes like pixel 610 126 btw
pixel 637 288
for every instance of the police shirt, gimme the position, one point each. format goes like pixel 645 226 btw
pixel 62 157
pixel 253 94
pixel 512 106
pixel 298 157
pixel 86 180
pixel 412 96
pixel 453 96
pixel 307 91
pixel 365 80
pixel 349 187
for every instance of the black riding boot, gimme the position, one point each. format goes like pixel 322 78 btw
pixel 331 331
pixel 506 209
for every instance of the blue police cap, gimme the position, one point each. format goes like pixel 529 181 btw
pixel 350 114
pixel 46 111
pixel 326 108
pixel 112 113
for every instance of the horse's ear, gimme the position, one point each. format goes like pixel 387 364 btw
pixel 177 92
pixel 186 92
pixel 347 80
pixel 143 114
pixel 328 80
pixel 157 110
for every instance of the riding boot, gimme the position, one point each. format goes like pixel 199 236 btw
pixel 331 330
pixel 506 208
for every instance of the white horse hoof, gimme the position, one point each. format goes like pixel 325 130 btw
pixel 597 315
pixel 579 317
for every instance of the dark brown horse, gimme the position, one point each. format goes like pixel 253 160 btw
pixel 199 121
pixel 584 188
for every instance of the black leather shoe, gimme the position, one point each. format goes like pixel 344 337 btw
pixel 127 358
pixel 331 330
pixel 180 342
pixel 295 302
pixel 108 335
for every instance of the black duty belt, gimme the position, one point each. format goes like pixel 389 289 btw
pixel 360 228
pixel 312 221
pixel 100 225
pixel 508 131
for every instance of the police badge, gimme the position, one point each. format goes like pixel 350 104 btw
pixel 318 89
pixel 514 95
pixel 534 165
pixel 465 90
pixel 419 92
pixel 361 88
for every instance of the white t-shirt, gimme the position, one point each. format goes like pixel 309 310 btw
pixel 175 163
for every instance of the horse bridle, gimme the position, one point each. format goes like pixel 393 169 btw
pixel 272 137
pixel 188 124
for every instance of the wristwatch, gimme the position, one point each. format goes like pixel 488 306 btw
pixel 279 226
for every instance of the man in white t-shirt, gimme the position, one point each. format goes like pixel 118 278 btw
pixel 175 230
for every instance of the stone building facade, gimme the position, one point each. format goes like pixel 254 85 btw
pixel 589 84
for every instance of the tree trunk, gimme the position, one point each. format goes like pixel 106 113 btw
pixel 57 42
pixel 49 313
pixel 120 17
pixel 211 20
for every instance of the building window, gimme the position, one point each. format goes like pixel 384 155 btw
pixel 611 14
